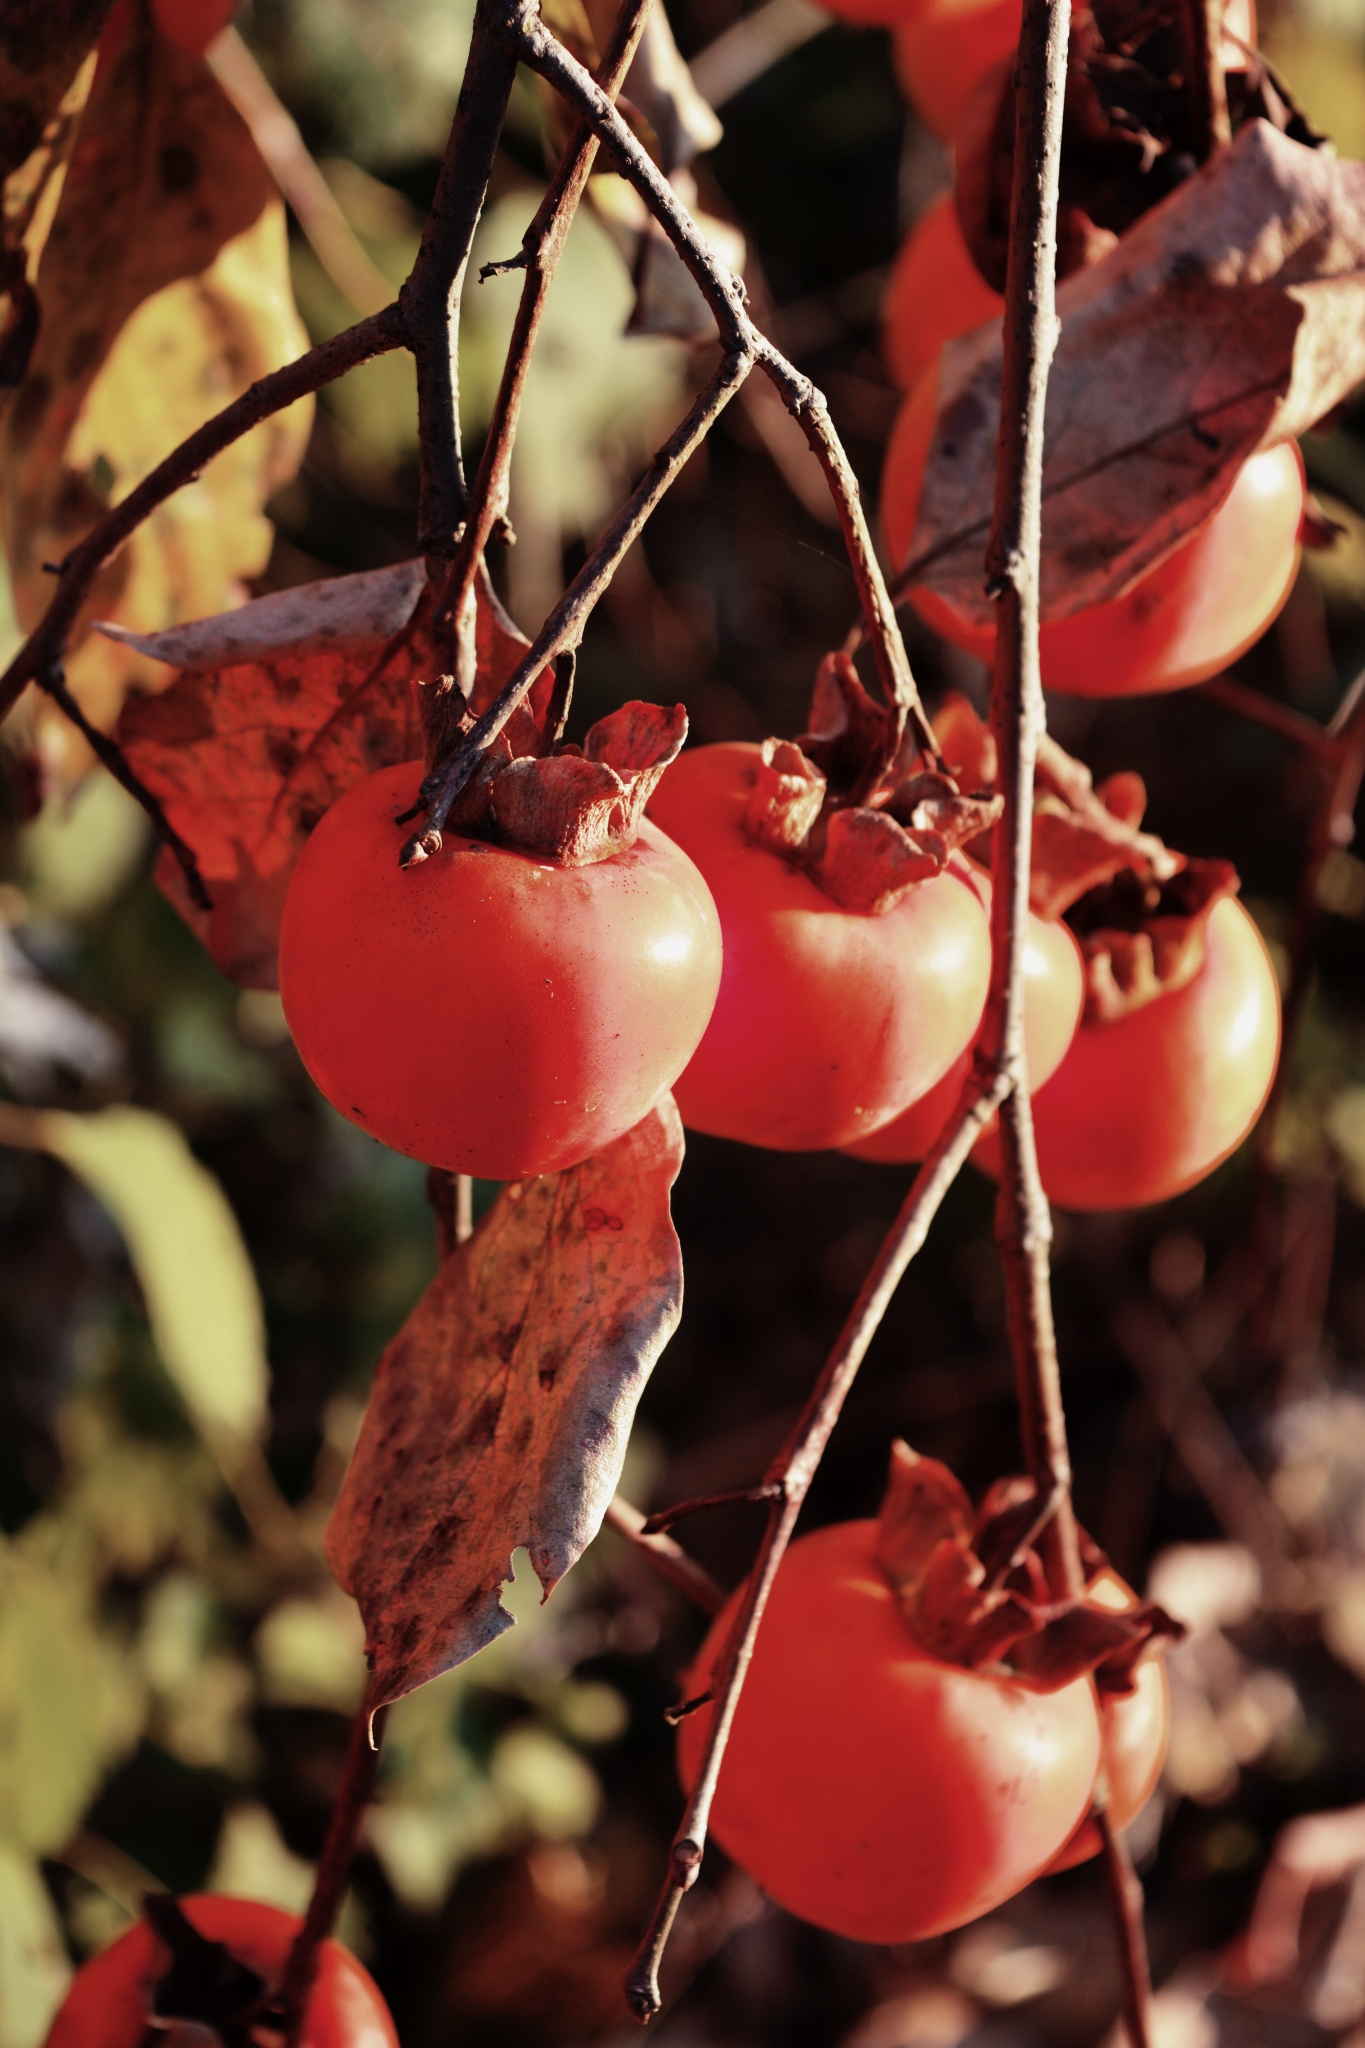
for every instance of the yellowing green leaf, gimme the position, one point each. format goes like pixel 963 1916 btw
pixel 185 1247
pixel 34 1971
pixel 68 1703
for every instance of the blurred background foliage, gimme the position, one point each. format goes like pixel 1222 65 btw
pixel 200 1261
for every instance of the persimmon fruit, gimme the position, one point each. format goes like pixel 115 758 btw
pixel 109 2003
pixel 935 292
pixel 485 1011
pixel 828 1021
pixel 1054 991
pixel 1142 1108
pixel 873 1788
pixel 1180 623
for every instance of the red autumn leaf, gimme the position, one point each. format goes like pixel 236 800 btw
pixel 1232 316
pixel 283 706
pixel 500 1412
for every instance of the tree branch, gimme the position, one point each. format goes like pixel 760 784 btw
pixel 430 300
pixel 541 248
pixel 1018 718
pixel 46 645
pixel 563 629
pixel 790 1475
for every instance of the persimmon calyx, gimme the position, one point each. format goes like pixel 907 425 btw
pixel 806 801
pixel 1139 910
pixel 972 1589
pixel 1135 126
pixel 572 805
pixel 204 1982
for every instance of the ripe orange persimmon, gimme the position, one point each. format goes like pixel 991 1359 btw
pixel 108 2005
pixel 869 1786
pixel 1054 992
pixel 1135 1733
pixel 1143 1108
pixel 936 292
pixel 1183 621
pixel 486 1011
pixel 828 1021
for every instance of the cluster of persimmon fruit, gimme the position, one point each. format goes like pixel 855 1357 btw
pixel 794 938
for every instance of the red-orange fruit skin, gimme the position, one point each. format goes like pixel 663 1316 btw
pixel 1141 1109
pixel 870 1787
pixel 484 1011
pixel 1054 991
pixel 1135 1733
pixel 107 2005
pixel 1182 622
pixel 828 1021
pixel 935 292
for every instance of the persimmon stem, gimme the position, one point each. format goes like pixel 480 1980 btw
pixel 1126 1903
pixel 790 1476
pixel 354 1793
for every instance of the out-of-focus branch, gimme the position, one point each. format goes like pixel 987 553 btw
pixel 668 1557
pixel 307 193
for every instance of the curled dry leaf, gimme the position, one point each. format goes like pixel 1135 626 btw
pixel 973 1590
pixel 1230 317
pixel 573 806
pixel 1139 910
pixel 164 291
pixel 247 753
pixel 500 1412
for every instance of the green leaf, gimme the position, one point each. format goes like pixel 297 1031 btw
pixel 187 1251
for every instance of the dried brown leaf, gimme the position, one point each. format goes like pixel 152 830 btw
pixel 500 1412
pixel 246 757
pixel 164 291
pixel 1230 317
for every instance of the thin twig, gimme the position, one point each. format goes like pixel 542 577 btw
pixel 430 300
pixel 53 682
pixel 358 1774
pixel 518 25
pixel 791 1474
pixel 1018 718
pixel 276 135
pixel 541 248
pixel 683 1510
pixel 563 629
pixel 46 645
pixel 1268 711
pixel 1125 1898
pixel 1208 93
pixel 668 1557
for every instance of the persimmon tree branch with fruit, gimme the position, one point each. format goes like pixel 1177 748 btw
pixel 532 960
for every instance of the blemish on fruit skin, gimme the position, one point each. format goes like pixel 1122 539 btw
pixel 599 1219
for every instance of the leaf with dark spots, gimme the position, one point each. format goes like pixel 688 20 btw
pixel 473 1445
pixel 280 708
pixel 1229 318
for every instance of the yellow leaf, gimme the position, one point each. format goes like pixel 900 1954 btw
pixel 186 1250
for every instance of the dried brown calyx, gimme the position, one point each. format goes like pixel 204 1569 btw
pixel 863 834
pixel 1139 910
pixel 973 1590
pixel 1135 125
pixel 536 794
